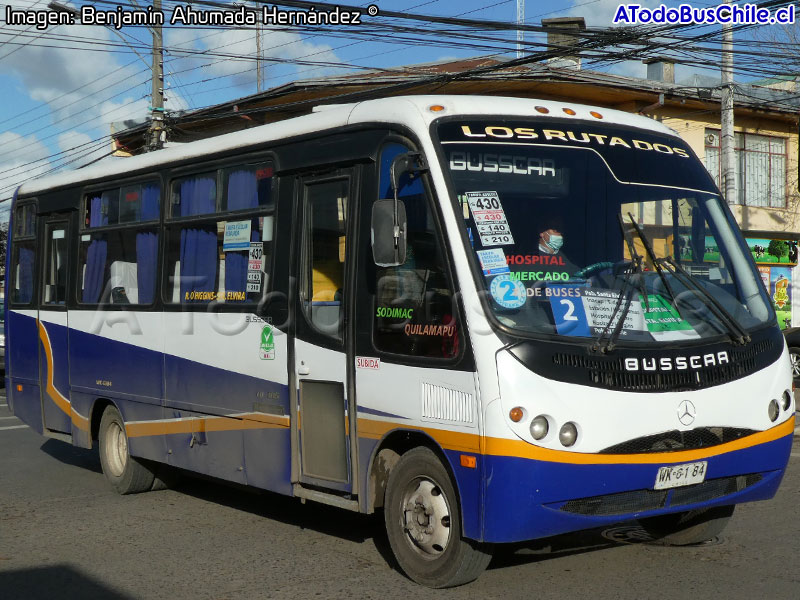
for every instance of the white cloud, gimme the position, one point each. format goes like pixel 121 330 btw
pixel 72 139
pixel 19 161
pixel 231 55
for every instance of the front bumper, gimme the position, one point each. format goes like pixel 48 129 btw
pixel 528 498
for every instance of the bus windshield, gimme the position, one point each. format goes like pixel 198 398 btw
pixel 596 231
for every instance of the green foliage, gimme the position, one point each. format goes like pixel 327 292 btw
pixel 778 249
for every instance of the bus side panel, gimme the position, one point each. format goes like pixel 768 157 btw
pixel 107 365
pixel 54 361
pixel 268 459
pixel 22 367
pixel 81 408
pixel 205 444
pixel 525 499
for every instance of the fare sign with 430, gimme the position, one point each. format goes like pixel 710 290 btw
pixel 490 218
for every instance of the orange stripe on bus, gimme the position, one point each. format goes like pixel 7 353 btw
pixel 450 440
pixel 205 424
pixel 58 399
pixel 504 447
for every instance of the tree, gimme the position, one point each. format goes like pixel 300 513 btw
pixel 778 249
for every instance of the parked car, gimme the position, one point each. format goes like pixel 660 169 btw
pixel 792 335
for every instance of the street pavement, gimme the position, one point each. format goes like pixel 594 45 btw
pixel 65 534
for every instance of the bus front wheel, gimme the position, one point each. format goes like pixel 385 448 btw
pixel 691 527
pixel 423 523
pixel 125 473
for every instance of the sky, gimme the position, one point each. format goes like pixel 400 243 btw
pixel 63 88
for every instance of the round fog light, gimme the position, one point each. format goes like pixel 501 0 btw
pixel 539 427
pixel 772 411
pixel 568 434
pixel 787 399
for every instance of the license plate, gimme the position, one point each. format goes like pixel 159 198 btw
pixel 680 475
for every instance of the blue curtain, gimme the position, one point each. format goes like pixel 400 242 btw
pixel 242 194
pixel 147 246
pixel 25 283
pixel 96 254
pixel 198 244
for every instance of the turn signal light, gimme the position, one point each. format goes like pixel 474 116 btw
pixel 469 461
pixel 516 414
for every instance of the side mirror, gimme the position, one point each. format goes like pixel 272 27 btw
pixel 388 244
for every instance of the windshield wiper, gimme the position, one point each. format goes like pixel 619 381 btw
pixel 638 272
pixel 649 249
pixel 735 331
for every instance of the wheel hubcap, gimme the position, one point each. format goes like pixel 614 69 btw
pixel 116 449
pixel 426 518
pixel 795 364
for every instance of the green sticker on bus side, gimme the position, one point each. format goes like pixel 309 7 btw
pixel 267 349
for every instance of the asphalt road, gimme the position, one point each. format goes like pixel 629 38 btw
pixel 65 534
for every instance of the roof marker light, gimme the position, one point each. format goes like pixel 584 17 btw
pixel 542 109
pixel 436 108
pixel 596 114
pixel 569 111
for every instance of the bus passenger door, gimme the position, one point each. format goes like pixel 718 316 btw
pixel 321 415
pixel 53 347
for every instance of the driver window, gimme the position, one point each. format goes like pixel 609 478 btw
pixel 414 308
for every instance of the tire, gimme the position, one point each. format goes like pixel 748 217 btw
pixel 429 548
pixel 691 527
pixel 794 358
pixel 125 473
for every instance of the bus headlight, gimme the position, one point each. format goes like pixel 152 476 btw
pixel 787 399
pixel 568 434
pixel 773 410
pixel 539 427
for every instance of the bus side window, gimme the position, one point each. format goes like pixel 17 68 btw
pixel 118 265
pixel 216 259
pixel 323 255
pixel 414 312
pixel 23 255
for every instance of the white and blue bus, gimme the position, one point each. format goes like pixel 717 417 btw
pixel 493 319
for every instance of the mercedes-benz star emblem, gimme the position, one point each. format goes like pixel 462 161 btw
pixel 686 412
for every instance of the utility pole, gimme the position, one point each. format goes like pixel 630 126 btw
pixel 157 133
pixel 520 21
pixel 259 57
pixel 727 141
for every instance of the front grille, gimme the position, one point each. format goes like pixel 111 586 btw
pixel 611 372
pixel 673 441
pixel 644 500
pixel 617 504
pixel 713 488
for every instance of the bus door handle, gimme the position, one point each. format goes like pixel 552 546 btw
pixel 303 369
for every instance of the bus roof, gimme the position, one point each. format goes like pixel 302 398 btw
pixel 407 110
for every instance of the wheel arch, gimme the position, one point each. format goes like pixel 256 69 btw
pixel 386 455
pixel 98 408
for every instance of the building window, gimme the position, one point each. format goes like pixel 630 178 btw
pixel 760 168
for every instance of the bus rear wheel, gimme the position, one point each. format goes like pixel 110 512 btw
pixel 690 527
pixel 125 473
pixel 423 523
